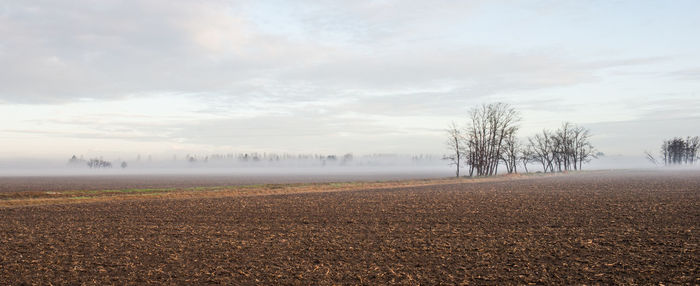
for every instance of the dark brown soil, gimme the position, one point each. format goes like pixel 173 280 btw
pixel 633 228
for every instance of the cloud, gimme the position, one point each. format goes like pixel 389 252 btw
pixel 57 52
pixel 63 52
pixel 308 75
pixel 435 67
pixel 668 106
pixel 692 74
pixel 372 22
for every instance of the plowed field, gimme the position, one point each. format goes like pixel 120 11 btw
pixel 585 228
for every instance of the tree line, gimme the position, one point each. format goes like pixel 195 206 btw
pixel 489 140
pixel 677 151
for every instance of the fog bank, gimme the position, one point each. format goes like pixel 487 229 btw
pixel 341 167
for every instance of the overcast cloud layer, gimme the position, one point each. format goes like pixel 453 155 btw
pixel 162 77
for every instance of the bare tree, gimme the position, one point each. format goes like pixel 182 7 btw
pixel 511 153
pixel 692 146
pixel 563 146
pixel 490 140
pixel 542 148
pixel 580 140
pixel 489 126
pixel 455 145
pixel 527 155
pixel 566 148
pixel 678 151
pixel 586 153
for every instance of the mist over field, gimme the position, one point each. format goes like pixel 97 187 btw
pixel 429 166
pixel 391 166
pixel 388 142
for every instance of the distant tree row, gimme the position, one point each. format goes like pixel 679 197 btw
pixel 490 140
pixel 93 163
pixel 273 157
pixel 98 163
pixel 678 151
pixel 259 159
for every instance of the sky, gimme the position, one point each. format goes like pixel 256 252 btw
pixel 119 78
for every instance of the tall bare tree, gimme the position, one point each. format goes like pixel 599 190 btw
pixel 692 146
pixel 563 146
pixel 489 126
pixel 455 144
pixel 586 153
pixel 580 136
pixel 583 149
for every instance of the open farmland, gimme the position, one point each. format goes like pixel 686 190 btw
pixel 590 228
pixel 210 178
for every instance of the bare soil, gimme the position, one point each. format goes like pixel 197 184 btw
pixel 99 181
pixel 585 228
